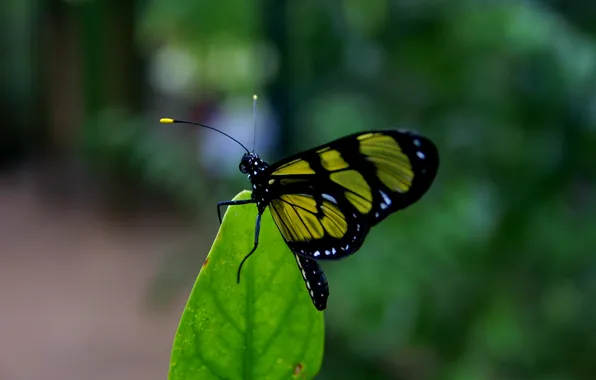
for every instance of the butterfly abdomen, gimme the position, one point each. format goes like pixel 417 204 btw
pixel 315 281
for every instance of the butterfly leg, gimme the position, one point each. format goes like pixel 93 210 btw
pixel 232 203
pixel 254 248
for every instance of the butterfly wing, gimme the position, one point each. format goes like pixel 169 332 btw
pixel 404 166
pixel 325 200
pixel 319 226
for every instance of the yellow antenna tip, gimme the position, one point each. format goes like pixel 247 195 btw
pixel 166 120
pixel 255 97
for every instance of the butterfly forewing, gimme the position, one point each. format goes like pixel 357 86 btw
pixel 405 165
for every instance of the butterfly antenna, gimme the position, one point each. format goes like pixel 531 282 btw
pixel 166 120
pixel 254 116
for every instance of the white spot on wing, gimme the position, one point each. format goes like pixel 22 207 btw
pixel 420 155
pixel 329 198
pixel 383 206
pixel 327 253
pixel 386 198
pixel 317 253
pixel 333 251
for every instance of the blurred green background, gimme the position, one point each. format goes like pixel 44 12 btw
pixel 106 215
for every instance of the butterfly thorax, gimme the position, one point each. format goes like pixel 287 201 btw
pixel 255 168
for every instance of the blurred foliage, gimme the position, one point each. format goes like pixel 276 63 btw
pixel 126 150
pixel 492 275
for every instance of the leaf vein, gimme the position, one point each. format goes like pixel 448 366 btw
pixel 275 333
pixel 209 365
pixel 224 313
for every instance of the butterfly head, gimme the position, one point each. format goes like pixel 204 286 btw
pixel 252 164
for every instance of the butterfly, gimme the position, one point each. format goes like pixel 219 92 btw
pixel 325 200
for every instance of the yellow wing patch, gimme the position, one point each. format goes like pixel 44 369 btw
pixel 332 160
pixel 298 166
pixel 359 193
pixel 296 223
pixel 334 221
pixel 303 201
pixel 296 217
pixel 361 204
pixel 393 166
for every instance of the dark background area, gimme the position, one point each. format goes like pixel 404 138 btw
pixel 106 215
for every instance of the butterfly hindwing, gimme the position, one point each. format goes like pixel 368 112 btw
pixel 318 226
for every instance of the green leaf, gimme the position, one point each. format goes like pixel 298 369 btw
pixel 266 327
